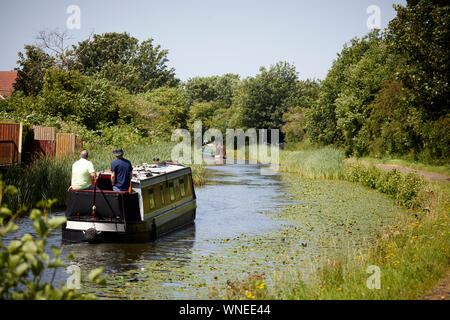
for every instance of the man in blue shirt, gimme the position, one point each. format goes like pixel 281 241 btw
pixel 121 171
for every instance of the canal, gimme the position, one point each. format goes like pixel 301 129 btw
pixel 247 223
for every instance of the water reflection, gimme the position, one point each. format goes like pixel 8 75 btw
pixel 120 257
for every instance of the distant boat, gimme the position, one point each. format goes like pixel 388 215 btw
pixel 161 199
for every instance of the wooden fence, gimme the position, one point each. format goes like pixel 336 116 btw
pixel 46 143
pixel 10 143
pixel 67 144
pixel 44 133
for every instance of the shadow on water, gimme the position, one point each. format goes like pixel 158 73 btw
pixel 120 257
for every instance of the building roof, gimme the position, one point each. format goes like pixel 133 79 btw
pixel 7 80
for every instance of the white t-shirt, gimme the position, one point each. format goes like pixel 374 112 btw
pixel 81 174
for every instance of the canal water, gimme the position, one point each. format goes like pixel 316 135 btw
pixel 238 231
pixel 229 205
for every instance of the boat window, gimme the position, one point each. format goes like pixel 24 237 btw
pixel 162 194
pixel 152 198
pixel 182 187
pixel 171 191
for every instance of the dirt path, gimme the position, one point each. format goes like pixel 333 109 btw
pixel 429 175
pixel 441 291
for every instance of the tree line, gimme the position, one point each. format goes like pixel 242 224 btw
pixel 385 94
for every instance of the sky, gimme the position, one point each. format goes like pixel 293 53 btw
pixel 206 37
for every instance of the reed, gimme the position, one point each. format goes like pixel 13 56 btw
pixel 325 163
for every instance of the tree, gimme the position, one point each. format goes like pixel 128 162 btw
pixel 202 111
pixel 151 63
pixel 301 100
pixel 363 80
pixel 214 88
pixel 359 72
pixel 33 64
pixel 113 51
pixel 121 75
pixel 294 124
pixel 420 34
pixel 56 44
pixel 104 48
pixel 170 108
pixel 260 102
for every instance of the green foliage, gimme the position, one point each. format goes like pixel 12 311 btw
pixel 420 34
pixel 22 262
pixel 324 163
pixel 341 111
pixel 294 124
pixel 260 102
pixel 170 110
pixel 202 111
pixel 120 58
pixel 385 95
pixel 121 135
pixel 121 75
pixel 33 64
pixel 404 188
pixel 214 88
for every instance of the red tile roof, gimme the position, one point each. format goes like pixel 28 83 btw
pixel 7 80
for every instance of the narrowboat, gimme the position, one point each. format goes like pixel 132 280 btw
pixel 161 199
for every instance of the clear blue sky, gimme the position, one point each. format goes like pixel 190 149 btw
pixel 206 37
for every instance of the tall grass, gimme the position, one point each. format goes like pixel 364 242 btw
pixel 325 163
pixel 47 178
pixel 44 178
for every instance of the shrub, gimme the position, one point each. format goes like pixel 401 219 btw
pixel 22 262
pixel 404 188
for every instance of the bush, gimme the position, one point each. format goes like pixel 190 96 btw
pixel 404 188
pixel 22 262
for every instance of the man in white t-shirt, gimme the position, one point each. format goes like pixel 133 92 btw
pixel 83 173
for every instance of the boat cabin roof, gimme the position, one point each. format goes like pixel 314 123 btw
pixel 147 171
pixel 147 174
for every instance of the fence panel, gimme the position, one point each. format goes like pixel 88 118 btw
pixel 44 143
pixel 44 147
pixel 44 133
pixel 67 144
pixel 10 142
